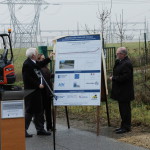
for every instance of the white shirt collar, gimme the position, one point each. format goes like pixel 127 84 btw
pixel 33 61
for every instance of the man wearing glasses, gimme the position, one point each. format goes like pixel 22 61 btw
pixel 122 88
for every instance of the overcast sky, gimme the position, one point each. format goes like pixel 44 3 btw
pixel 65 14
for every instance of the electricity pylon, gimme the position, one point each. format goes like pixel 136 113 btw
pixel 24 34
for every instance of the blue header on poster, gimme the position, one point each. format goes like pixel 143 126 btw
pixel 78 71
pixel 76 91
pixel 80 38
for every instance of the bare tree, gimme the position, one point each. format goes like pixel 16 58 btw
pixel 104 15
pixel 121 28
pixel 90 31
pixel 87 29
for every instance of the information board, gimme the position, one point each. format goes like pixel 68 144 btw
pixel 12 109
pixel 78 70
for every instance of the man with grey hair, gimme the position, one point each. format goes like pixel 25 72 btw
pixel 33 81
pixel 122 88
pixel 30 52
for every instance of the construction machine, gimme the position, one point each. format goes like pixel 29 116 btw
pixel 7 74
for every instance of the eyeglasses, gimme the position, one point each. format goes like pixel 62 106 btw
pixel 119 53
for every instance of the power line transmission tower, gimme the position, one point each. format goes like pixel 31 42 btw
pixel 25 34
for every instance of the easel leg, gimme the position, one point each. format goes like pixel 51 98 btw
pixel 67 117
pixel 108 118
pixel 98 119
pixel 54 124
pixel 54 120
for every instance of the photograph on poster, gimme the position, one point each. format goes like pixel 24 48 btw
pixel 66 64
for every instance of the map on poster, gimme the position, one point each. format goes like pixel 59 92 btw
pixel 78 70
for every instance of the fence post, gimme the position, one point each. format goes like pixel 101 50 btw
pixel 146 50
pixel 145 56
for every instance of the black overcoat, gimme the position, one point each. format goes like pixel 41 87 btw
pixel 122 81
pixel 33 102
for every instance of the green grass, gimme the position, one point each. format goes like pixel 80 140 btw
pixel 130 45
pixel 134 48
pixel 19 58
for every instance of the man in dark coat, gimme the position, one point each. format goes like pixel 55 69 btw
pixel 33 81
pixel 46 95
pixel 122 88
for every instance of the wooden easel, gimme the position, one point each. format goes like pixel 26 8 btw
pixel 103 99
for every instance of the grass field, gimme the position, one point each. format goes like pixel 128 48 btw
pixel 19 57
pixel 134 48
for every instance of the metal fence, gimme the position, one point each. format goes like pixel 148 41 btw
pixel 110 56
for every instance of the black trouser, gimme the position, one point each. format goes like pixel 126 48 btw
pixel 48 117
pixel 125 113
pixel 47 108
pixel 38 120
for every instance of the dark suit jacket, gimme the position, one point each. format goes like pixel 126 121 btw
pixel 33 102
pixel 122 81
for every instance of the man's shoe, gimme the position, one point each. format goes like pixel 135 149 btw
pixel 28 135
pixel 49 129
pixel 121 131
pixel 117 129
pixel 43 132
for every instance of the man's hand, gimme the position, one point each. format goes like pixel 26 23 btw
pixel 51 55
pixel 41 86
pixel 111 78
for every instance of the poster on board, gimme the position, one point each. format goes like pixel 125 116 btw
pixel 78 70
pixel 12 109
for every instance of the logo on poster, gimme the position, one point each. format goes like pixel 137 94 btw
pixel 71 96
pixel 76 76
pixel 94 83
pixel 61 84
pixel 94 97
pixel 92 74
pixel 60 97
pixel 83 96
pixel 62 76
pixel 76 85
pixel 90 83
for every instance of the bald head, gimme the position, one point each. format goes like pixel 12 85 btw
pixel 122 50
pixel 121 53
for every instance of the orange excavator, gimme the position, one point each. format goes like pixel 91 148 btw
pixel 7 74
